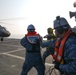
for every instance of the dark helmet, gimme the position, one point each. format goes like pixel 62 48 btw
pixel 61 24
pixel 31 28
pixel 50 30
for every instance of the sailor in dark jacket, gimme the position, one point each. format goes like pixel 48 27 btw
pixel 49 36
pixel 33 55
pixel 64 47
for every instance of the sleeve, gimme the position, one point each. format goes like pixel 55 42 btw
pixel 23 42
pixel 48 43
pixel 70 58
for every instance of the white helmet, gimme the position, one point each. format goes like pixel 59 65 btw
pixel 60 22
pixel 30 28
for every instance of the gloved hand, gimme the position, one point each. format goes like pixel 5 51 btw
pixel 56 65
pixel 45 36
pixel 37 41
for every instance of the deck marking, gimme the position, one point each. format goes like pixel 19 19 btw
pixel 15 56
pixel 12 45
pixel 22 58
pixel 12 51
pixel 48 64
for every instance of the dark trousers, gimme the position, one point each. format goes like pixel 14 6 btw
pixel 39 67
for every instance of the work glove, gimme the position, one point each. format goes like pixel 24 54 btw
pixel 56 65
pixel 45 36
pixel 37 42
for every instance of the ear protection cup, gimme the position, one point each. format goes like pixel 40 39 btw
pixel 60 29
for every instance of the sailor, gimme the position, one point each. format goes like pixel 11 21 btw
pixel 33 52
pixel 49 36
pixel 64 47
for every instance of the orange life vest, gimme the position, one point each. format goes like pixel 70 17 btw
pixel 32 36
pixel 59 47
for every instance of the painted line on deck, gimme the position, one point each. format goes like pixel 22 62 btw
pixel 15 56
pixel 11 45
pixel 22 58
pixel 15 51
pixel 12 51
pixel 19 57
pixel 48 64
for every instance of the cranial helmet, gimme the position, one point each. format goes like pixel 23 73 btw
pixel 31 28
pixel 60 23
pixel 50 30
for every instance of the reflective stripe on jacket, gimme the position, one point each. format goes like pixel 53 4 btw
pixel 31 37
